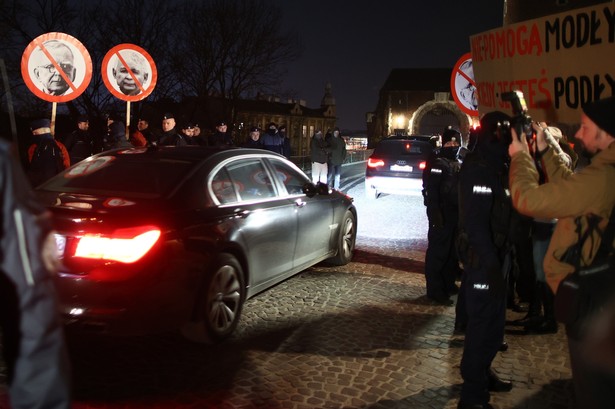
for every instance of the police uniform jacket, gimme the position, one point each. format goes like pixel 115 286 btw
pixel 484 212
pixel 565 196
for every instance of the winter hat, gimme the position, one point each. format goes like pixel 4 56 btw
pixel 40 123
pixel 255 129
pixel 602 112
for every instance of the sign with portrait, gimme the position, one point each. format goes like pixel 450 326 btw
pixel 56 67
pixel 129 72
pixel 560 62
pixel 463 86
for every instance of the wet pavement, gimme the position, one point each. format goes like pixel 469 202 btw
pixel 359 336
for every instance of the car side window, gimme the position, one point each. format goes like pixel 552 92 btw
pixel 223 187
pixel 250 179
pixel 290 178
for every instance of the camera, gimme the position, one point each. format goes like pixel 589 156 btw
pixel 521 121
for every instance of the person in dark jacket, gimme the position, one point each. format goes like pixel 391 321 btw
pixel 117 135
pixel 33 344
pixel 221 136
pixel 187 133
pixel 80 143
pixel 319 154
pixel 253 140
pixel 337 145
pixel 440 194
pixel 169 135
pixel 286 145
pixel 272 140
pixel 46 156
pixel 485 210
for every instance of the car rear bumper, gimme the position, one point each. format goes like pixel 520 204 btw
pixel 399 186
pixel 152 301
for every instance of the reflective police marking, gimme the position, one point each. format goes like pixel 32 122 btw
pixel 481 287
pixel 435 170
pixel 481 190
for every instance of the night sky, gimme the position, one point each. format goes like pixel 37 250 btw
pixel 354 44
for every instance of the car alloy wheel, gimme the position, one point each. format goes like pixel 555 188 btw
pixel 221 302
pixel 346 240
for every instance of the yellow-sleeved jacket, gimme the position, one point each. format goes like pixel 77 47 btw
pixel 565 196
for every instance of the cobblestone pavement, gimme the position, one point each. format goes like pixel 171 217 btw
pixel 358 336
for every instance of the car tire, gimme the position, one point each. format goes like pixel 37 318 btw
pixel 220 303
pixel 346 240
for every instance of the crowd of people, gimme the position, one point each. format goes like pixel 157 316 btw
pixel 506 187
pixel 508 207
pixel 48 155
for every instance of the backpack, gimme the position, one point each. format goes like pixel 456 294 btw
pixel 585 292
pixel 46 161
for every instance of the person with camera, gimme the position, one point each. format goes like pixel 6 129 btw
pixel 484 247
pixel 574 199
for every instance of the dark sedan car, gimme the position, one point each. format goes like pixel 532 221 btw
pixel 154 239
pixel 396 165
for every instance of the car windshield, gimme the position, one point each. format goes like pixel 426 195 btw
pixel 402 147
pixel 133 176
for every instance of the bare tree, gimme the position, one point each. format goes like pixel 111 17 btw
pixel 237 48
pixel 227 48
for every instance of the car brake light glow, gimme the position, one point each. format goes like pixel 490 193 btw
pixel 375 163
pixel 422 165
pixel 124 245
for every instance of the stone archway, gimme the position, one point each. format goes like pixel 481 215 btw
pixel 434 116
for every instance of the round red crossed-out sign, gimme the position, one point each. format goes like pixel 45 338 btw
pixel 56 67
pixel 129 72
pixel 463 86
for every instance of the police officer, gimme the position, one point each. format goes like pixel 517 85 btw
pixel 440 196
pixel 32 335
pixel 80 143
pixel 485 210
pixel 221 137
pixel 169 133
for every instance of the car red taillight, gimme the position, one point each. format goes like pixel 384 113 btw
pixel 422 165
pixel 124 245
pixel 375 163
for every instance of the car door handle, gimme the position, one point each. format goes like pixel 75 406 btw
pixel 300 203
pixel 241 213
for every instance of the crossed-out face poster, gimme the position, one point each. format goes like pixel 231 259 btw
pixel 56 67
pixel 560 62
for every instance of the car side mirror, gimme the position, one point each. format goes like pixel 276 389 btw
pixel 323 188
pixel 312 190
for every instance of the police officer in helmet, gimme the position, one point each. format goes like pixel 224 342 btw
pixel 485 209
